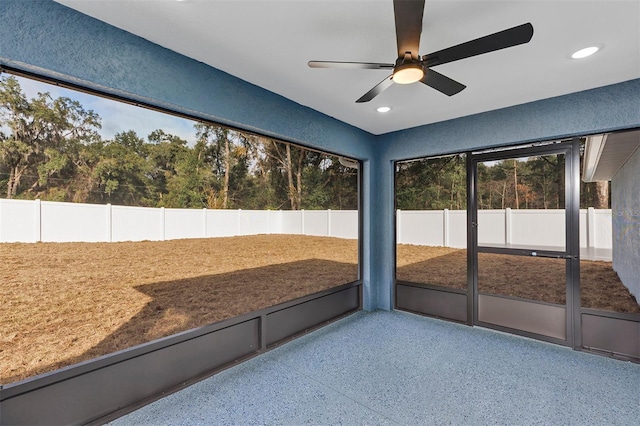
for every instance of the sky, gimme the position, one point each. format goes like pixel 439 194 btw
pixel 117 116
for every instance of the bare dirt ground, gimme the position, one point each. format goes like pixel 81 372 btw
pixel 526 277
pixel 68 302
pixel 64 303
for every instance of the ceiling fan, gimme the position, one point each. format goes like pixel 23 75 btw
pixel 411 68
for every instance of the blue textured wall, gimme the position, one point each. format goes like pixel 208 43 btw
pixel 49 39
pixel 625 203
pixel 592 111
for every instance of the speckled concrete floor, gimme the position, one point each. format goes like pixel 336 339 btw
pixel 399 368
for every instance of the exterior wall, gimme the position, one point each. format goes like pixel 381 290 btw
pixel 625 203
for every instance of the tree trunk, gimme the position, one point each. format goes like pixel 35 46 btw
pixel 602 195
pixel 490 185
pixel 14 181
pixel 299 177
pixel 10 185
pixel 227 163
pixel 453 188
pixel 292 190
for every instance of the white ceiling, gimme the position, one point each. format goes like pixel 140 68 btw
pixel 269 43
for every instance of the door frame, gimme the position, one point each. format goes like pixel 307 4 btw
pixel 571 150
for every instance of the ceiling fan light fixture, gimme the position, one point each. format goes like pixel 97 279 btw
pixel 408 73
pixel 383 109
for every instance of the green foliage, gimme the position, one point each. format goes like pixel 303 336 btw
pixel 51 149
pixel 536 182
pixel 41 142
pixel 432 184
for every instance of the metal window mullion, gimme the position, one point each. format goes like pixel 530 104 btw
pixel 472 238
pixel 574 338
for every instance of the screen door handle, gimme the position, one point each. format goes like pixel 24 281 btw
pixel 552 256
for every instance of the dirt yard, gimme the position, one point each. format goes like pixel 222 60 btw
pixel 64 303
pixel 526 277
pixel 68 302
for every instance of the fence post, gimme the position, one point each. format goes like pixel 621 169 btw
pixel 445 227
pixel 507 226
pixel 329 223
pixel 398 226
pixel 591 228
pixel 302 221
pixel 164 226
pixel 239 229
pixel 109 223
pixel 38 221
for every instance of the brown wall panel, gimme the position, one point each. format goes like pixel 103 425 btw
pixel 296 319
pixel 617 336
pixel 441 304
pixel 543 319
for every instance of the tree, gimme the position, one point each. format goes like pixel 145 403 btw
pixel 45 135
pixel 122 175
pixel 286 161
pixel 164 152
pixel 193 185
pixel 16 153
pixel 219 140
pixel 432 184
pixel 50 149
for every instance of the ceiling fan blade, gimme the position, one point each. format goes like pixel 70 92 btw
pixel 500 40
pixel 350 65
pixel 408 14
pixel 379 88
pixel 441 83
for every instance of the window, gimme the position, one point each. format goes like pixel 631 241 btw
pixel 120 225
pixel 431 201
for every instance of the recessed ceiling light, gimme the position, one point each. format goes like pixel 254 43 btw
pixel 384 109
pixel 583 53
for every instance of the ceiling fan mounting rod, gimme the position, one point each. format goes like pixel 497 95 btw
pixel 407 59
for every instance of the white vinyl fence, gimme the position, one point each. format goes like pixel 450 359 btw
pixel 46 221
pixel 542 229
